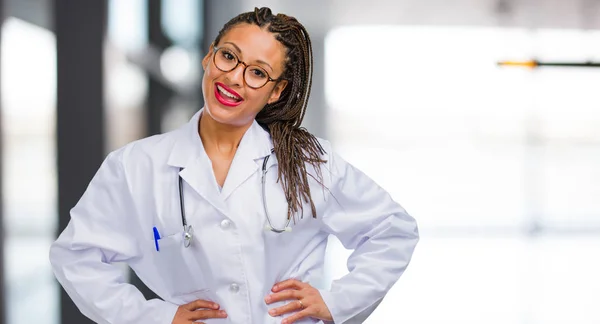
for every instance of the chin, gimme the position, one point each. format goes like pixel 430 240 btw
pixel 228 116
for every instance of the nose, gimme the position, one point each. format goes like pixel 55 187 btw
pixel 236 76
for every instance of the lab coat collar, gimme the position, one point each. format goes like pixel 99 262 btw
pixel 187 144
pixel 188 153
pixel 256 143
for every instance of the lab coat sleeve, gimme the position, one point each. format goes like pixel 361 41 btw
pixel 365 218
pixel 102 231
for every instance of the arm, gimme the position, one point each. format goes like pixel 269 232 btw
pixel 102 231
pixel 364 217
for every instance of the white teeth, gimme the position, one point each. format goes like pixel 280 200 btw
pixel 227 93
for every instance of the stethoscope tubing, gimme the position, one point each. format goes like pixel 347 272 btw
pixel 188 230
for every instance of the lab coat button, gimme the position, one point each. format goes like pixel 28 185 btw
pixel 234 288
pixel 225 224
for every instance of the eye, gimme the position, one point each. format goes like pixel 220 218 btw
pixel 227 55
pixel 259 73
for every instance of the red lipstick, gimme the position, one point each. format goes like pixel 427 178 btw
pixel 226 96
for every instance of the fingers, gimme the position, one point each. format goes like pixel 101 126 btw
pixel 296 317
pixel 198 310
pixel 206 314
pixel 305 300
pixel 200 304
pixel 284 295
pixel 288 284
pixel 287 308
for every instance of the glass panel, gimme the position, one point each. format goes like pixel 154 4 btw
pixel 431 75
pixel 126 83
pixel 459 281
pixel 449 185
pixel 29 170
pixel 128 24
pixel 31 284
pixel 571 190
pixel 182 21
pixel 564 280
pixel 567 105
pixel 502 280
pixel 500 166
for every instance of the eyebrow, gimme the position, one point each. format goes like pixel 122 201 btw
pixel 257 61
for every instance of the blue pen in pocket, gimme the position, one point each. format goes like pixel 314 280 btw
pixel 156 238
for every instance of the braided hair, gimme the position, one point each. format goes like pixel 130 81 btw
pixel 294 146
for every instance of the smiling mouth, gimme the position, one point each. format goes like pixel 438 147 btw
pixel 227 96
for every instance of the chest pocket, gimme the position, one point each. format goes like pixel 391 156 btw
pixel 178 266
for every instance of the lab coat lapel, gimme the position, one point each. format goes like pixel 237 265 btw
pixel 254 146
pixel 199 175
pixel 188 153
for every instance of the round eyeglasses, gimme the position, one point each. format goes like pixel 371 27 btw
pixel 254 76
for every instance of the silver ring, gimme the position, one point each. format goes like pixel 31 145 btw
pixel 301 305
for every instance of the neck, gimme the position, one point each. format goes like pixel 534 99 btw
pixel 220 138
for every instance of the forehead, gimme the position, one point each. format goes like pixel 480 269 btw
pixel 256 44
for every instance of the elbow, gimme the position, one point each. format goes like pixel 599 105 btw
pixel 409 231
pixel 407 226
pixel 402 233
pixel 54 255
pixel 57 259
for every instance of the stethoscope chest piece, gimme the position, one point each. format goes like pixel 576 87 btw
pixel 188 235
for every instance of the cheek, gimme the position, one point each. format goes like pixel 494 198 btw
pixel 205 85
pixel 210 73
pixel 208 80
pixel 259 99
pixel 259 96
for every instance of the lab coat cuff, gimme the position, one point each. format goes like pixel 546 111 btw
pixel 169 310
pixel 330 302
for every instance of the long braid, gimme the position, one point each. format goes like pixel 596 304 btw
pixel 294 146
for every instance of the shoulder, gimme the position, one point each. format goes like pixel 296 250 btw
pixel 325 144
pixel 334 164
pixel 150 149
pixel 328 153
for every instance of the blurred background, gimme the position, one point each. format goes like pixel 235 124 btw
pixel 500 165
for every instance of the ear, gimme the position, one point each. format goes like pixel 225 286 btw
pixel 276 93
pixel 206 58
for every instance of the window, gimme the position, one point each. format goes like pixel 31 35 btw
pixel 29 171
pixel 500 166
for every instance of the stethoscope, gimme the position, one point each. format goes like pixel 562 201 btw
pixel 188 230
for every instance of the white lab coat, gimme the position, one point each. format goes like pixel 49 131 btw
pixel 233 260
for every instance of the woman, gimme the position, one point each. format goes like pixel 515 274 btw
pixel 241 164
